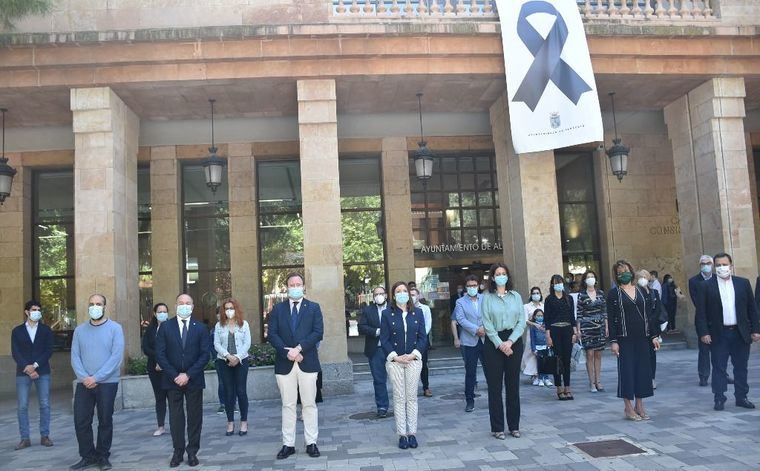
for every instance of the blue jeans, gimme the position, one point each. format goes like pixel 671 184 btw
pixel 471 357
pixel 23 385
pixel 220 389
pixel 86 401
pixel 235 380
pixel 379 378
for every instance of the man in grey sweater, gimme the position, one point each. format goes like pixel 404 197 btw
pixel 97 350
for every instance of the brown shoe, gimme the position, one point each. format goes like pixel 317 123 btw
pixel 428 393
pixel 26 443
pixel 46 441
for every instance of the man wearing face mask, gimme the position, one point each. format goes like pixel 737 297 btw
pixel 428 316
pixel 182 353
pixel 296 327
pixel 369 327
pixel 97 350
pixel 31 348
pixel 727 321
pixel 469 316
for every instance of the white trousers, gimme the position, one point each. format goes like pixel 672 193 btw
pixel 289 386
pixel 404 378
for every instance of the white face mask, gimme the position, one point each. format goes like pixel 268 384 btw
pixel 723 271
pixel 415 299
pixel 379 299
pixel 590 281
pixel 230 313
pixel 643 282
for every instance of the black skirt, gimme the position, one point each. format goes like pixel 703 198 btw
pixel 634 368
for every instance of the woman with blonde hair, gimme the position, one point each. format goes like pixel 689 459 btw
pixel 232 340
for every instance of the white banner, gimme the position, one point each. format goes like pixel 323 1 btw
pixel 553 101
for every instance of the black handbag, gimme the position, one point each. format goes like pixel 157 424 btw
pixel 546 361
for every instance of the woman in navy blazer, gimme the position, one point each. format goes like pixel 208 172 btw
pixel 403 339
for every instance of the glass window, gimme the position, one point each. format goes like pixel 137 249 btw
pixel 205 219
pixel 53 251
pixel 145 267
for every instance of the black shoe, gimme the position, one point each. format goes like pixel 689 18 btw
pixel 229 434
pixel 243 433
pixel 470 406
pixel 744 403
pixel 312 450
pixel 729 379
pixel 177 458
pixel 286 451
pixel 403 443
pixel 720 405
pixel 703 381
pixel 192 460
pixel 382 413
pixel 412 440
pixel 84 463
pixel 104 464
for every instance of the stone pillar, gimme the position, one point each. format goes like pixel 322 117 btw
pixel 706 130
pixel 16 258
pixel 105 207
pixel 528 192
pixel 166 224
pixel 244 253
pixel 399 249
pixel 323 241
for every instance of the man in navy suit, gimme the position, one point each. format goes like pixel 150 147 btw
pixel 295 329
pixel 369 327
pixel 182 353
pixel 727 321
pixel 32 347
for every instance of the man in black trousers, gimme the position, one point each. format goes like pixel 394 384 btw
pixel 727 321
pixel 182 353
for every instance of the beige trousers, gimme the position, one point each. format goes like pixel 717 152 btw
pixel 289 386
pixel 404 378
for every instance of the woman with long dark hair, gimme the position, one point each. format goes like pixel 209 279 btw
pixel 160 315
pixel 592 326
pixel 504 323
pixel 631 333
pixel 403 339
pixel 232 340
pixel 559 316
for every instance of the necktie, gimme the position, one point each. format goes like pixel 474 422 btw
pixel 184 333
pixel 294 317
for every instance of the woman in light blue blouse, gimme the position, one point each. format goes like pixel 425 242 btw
pixel 504 323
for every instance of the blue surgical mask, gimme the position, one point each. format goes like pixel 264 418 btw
pixel 401 298
pixel 559 287
pixel 472 290
pixel 539 319
pixel 535 297
pixel 296 292
pixel 706 269
pixel 185 310
pixel 35 315
pixel 162 316
pixel 95 312
pixel 501 280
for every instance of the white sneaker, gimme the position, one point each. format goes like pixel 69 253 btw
pixel 548 382
pixel 537 382
pixel 592 387
pixel 541 383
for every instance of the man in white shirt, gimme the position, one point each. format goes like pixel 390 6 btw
pixel 655 285
pixel 369 327
pixel 415 293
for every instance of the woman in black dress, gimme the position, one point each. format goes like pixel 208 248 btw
pixel 631 332
pixel 592 324
pixel 559 317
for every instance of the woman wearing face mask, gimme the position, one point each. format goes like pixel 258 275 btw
pixel 160 315
pixel 592 325
pixel 559 317
pixel 670 295
pixel 403 339
pixel 504 323
pixel 529 366
pixel 657 314
pixel 232 340
pixel 631 334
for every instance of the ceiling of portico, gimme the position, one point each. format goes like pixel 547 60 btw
pixel 362 95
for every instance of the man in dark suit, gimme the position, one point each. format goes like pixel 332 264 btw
pixel 727 321
pixel 32 347
pixel 369 327
pixel 182 354
pixel 295 330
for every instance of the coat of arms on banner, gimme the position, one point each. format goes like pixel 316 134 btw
pixel 549 73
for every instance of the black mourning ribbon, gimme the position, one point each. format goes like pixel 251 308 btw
pixel 547 64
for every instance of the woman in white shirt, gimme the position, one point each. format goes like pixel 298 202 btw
pixel 232 340
pixel 529 365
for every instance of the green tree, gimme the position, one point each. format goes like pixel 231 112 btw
pixel 11 10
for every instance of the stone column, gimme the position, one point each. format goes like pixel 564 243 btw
pixel 244 253
pixel 528 192
pixel 15 261
pixel 166 224
pixel 105 207
pixel 706 130
pixel 323 241
pixel 399 250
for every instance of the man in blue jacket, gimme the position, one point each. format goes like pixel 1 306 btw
pixel 182 353
pixel 295 329
pixel 468 315
pixel 31 347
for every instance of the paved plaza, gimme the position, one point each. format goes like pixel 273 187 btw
pixel 685 433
